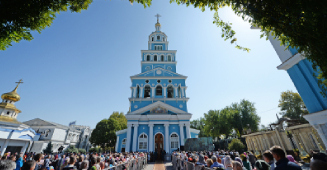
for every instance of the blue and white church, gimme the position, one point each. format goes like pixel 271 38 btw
pixel 158 119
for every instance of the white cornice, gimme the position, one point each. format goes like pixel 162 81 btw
pixel 156 118
pixel 317 117
pixel 155 105
pixel 121 132
pixel 158 62
pixel 291 62
pixel 157 51
pixel 194 130
pixel 158 99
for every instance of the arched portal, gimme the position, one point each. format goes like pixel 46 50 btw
pixel 159 145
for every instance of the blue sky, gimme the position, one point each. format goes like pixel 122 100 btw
pixel 79 68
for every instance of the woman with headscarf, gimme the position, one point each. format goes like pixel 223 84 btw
pixel 228 163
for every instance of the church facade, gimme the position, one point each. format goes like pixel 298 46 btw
pixel 158 119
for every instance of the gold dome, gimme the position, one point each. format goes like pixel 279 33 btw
pixel 158 24
pixel 13 96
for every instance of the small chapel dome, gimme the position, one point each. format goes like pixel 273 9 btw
pixel 13 95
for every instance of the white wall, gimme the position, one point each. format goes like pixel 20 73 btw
pixel 59 135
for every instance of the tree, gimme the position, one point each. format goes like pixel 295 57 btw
pixel 71 149
pixel 48 149
pixel 104 133
pixel 292 106
pixel 236 145
pixel 199 125
pixel 245 117
pixel 18 18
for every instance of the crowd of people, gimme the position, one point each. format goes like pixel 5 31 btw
pixel 67 161
pixel 273 159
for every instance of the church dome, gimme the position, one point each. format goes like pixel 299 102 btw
pixel 13 96
pixel 158 24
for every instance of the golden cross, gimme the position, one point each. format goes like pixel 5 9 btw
pixel 20 81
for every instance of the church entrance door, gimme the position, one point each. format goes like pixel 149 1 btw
pixel 158 143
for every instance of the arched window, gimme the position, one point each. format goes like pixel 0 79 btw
pixel 173 141
pixel 179 92
pixel 148 58
pixel 147 91
pixel 155 58
pixel 169 58
pixel 163 38
pixel 143 142
pixel 123 142
pixel 162 58
pixel 158 37
pixel 170 92
pixel 158 91
pixel 152 39
pixel 137 92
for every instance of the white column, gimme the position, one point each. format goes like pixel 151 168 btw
pixel 176 92
pixel 167 137
pixel 153 92
pixel 117 142
pixel 25 147
pixel 135 136
pixel 188 134
pixel 141 92
pixel 181 133
pixel 134 92
pixel 150 137
pixel 164 91
pixel 4 146
pixel 183 94
pixel 129 133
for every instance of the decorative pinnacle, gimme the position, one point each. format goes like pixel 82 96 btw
pixel 157 17
pixel 20 81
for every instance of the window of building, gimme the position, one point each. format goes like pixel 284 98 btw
pixel 169 58
pixel 158 91
pixel 143 142
pixel 155 58
pixel 137 92
pixel 146 81
pixel 169 81
pixel 163 38
pixel 162 58
pixel 158 37
pixel 152 38
pixel 313 141
pixel 123 142
pixel 148 58
pixel 147 91
pixel 173 141
pixel 170 92
pixel 158 81
pixel 8 113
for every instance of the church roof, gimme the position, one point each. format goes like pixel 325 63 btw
pixel 158 72
pixel 41 122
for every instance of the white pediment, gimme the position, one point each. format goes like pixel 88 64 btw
pixel 159 108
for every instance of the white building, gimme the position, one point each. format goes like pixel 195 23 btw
pixel 59 135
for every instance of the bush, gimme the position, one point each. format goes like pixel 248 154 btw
pixel 97 150
pixel 71 149
pixel 48 149
pixel 236 145
pixel 80 150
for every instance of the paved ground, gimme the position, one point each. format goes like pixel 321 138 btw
pixel 159 166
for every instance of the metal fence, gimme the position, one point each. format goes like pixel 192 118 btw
pixel 135 164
